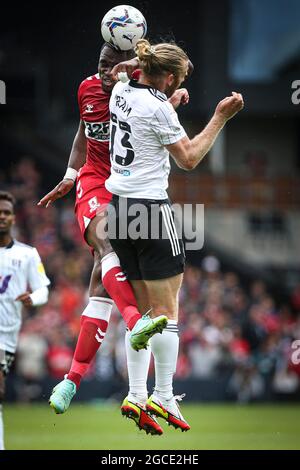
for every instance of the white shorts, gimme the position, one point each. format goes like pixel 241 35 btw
pixel 9 340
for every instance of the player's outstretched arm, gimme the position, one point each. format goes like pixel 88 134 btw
pixel 76 160
pixel 188 153
pixel 63 188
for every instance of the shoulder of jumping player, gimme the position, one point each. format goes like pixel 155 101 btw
pixel 88 83
pixel 144 99
pixel 92 100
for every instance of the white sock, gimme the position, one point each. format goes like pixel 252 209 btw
pixel 164 348
pixel 138 366
pixel 1 430
pixel 99 307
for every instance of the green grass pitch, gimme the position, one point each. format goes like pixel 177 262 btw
pixel 101 426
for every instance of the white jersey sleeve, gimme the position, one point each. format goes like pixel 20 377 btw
pixel 36 273
pixel 166 125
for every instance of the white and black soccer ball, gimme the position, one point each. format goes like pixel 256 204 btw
pixel 123 26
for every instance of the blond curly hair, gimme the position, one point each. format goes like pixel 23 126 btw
pixel 164 57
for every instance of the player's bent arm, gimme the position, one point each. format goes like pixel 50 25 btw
pixel 189 153
pixel 39 296
pixel 76 160
pixel 37 279
pixel 35 299
pixel 78 151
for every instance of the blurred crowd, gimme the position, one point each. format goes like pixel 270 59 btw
pixel 226 328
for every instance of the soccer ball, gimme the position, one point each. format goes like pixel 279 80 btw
pixel 123 26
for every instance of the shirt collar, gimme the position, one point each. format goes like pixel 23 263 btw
pixel 10 245
pixel 152 90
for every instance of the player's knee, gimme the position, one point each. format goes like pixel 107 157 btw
pixel 161 308
pixel 107 248
pixel 98 291
pixel 96 287
pixel 97 270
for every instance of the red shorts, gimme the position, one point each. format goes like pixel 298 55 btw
pixel 92 197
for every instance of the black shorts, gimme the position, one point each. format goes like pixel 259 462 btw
pixel 6 361
pixel 146 242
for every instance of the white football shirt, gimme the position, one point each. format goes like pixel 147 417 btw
pixel 142 123
pixel 20 267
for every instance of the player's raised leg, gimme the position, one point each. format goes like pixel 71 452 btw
pixel 94 322
pixel 113 278
pixel 95 318
pixel 119 288
pixel 144 329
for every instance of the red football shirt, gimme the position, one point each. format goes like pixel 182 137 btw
pixel 94 111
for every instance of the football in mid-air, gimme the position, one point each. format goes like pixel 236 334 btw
pixel 123 26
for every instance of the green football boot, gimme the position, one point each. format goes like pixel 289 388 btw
pixel 62 395
pixel 144 329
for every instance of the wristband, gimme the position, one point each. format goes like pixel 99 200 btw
pixel 123 77
pixel 71 174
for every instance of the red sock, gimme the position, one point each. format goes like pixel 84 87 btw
pixel 119 289
pixel 92 332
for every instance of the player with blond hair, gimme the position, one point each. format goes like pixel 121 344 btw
pixel 144 130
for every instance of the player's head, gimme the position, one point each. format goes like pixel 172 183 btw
pixel 164 65
pixel 7 212
pixel 109 57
